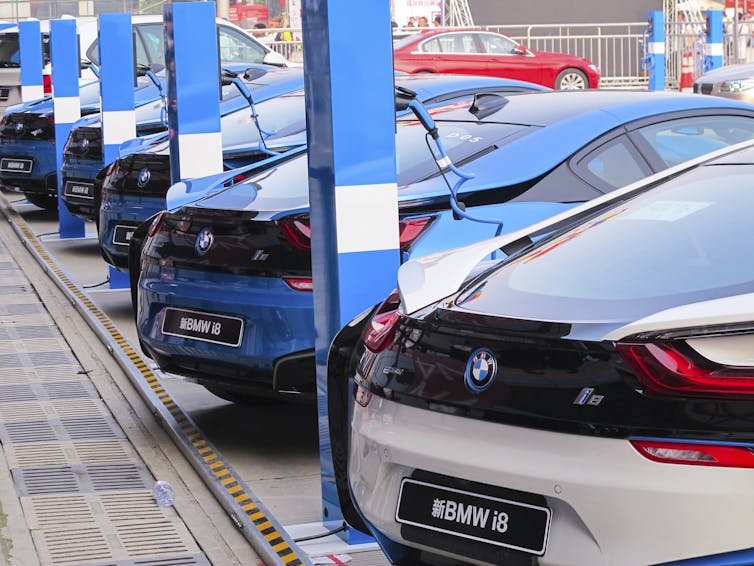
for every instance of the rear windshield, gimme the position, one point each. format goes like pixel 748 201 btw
pixel 681 242
pixel 10 56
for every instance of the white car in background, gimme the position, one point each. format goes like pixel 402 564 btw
pixel 235 44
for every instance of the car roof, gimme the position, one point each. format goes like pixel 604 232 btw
pixel 570 120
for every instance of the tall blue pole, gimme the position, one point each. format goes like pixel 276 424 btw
pixel 656 50
pixel 64 53
pixel 193 93
pixel 30 44
pixel 714 58
pixel 116 56
pixel 352 180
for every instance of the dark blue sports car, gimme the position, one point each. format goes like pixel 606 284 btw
pixel 224 293
pixel 83 162
pixel 27 140
pixel 135 187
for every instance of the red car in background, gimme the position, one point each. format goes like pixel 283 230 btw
pixel 478 52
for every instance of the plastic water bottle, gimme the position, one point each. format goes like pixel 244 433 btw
pixel 163 493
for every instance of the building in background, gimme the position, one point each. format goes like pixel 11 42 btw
pixel 491 12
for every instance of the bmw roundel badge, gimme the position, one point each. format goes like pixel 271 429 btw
pixel 143 179
pixel 204 241
pixel 481 370
pixel 84 145
pixel 19 127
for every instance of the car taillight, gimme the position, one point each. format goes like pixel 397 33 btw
pixel 299 283
pixel 724 456
pixel 380 330
pixel 676 369
pixel 51 122
pixel 47 84
pixel 298 232
pixel 156 225
pixel 409 230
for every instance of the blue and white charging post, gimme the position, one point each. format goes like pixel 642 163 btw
pixel 714 57
pixel 117 82
pixel 350 108
pixel 32 60
pixel 64 55
pixel 656 50
pixel 193 94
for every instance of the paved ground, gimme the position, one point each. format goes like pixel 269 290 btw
pixel 80 451
pixel 273 447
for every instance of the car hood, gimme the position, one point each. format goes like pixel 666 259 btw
pixel 728 73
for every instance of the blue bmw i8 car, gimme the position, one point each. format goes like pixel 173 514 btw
pixel 27 140
pixel 585 399
pixel 83 162
pixel 531 155
pixel 136 185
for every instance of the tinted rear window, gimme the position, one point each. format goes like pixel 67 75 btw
pixel 10 56
pixel 679 243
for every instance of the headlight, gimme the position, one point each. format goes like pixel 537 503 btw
pixel 737 86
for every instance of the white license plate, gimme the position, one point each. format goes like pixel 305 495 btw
pixel 203 326
pixel 16 165
pixel 122 235
pixel 79 190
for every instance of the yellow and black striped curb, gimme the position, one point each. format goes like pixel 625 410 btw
pixel 265 534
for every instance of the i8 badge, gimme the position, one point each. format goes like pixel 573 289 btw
pixel 204 241
pixel 481 370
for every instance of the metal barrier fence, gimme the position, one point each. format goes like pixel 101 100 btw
pixel 617 49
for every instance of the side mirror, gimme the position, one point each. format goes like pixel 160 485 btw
pixel 274 58
pixel 520 50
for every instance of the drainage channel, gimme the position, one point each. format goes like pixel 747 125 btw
pixel 256 523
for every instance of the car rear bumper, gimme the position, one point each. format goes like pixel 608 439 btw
pixel 276 341
pixel 42 178
pixel 118 215
pixel 609 504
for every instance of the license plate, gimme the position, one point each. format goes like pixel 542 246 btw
pixel 473 516
pixel 16 165
pixel 122 235
pixel 79 190
pixel 207 327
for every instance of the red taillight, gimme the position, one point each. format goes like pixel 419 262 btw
pixel 156 225
pixel 51 121
pixel 409 230
pixel 47 84
pixel 380 330
pixel 695 454
pixel 669 368
pixel 298 232
pixel 299 283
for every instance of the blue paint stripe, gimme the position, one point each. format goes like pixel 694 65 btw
pixel 196 61
pixel 373 107
pixel 30 42
pixel 117 62
pixel 64 55
pixel 735 558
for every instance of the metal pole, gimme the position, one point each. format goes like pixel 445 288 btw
pixel 735 33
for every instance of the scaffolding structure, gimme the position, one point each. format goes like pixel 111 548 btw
pixel 458 13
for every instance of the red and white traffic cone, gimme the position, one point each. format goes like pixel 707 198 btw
pixel 687 73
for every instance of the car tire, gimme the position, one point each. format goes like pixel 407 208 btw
pixel 43 201
pixel 571 79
